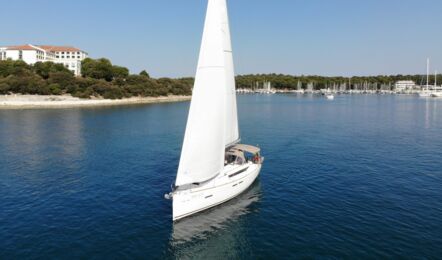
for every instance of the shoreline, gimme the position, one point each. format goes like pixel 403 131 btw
pixel 17 101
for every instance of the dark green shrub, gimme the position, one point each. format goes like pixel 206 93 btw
pixel 4 88
pixel 55 89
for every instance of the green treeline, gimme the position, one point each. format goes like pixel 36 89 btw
pixel 99 79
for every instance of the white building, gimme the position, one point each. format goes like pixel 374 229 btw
pixel 404 85
pixel 2 53
pixel 70 57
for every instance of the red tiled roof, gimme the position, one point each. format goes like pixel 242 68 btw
pixel 26 47
pixel 58 48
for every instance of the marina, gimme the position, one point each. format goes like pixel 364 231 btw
pixel 435 92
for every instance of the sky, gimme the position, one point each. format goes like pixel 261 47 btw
pixel 297 37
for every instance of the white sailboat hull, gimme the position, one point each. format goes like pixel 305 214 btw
pixel 425 94
pixel 222 188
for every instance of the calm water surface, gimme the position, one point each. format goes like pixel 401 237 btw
pixel 356 177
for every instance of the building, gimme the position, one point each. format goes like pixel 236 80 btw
pixel 404 85
pixel 27 53
pixel 70 57
pixel 2 53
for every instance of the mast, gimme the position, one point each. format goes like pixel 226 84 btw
pixel 428 72
pixel 435 79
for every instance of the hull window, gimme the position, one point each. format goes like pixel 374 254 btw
pixel 238 172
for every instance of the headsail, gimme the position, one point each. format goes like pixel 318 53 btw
pixel 232 131
pixel 202 155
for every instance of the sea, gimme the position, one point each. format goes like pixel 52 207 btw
pixel 355 177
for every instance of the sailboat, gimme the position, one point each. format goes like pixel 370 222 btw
pixel 214 167
pixel 426 93
pixel 437 90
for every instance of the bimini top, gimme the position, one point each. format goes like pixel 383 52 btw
pixel 246 148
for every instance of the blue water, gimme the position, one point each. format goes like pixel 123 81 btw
pixel 357 177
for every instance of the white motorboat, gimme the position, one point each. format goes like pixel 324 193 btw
pixel 330 96
pixel 214 167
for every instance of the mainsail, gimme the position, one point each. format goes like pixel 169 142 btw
pixel 202 155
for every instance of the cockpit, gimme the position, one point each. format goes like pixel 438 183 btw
pixel 240 154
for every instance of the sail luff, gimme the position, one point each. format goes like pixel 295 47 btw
pixel 202 155
pixel 231 126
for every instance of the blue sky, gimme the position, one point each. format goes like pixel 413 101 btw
pixel 320 37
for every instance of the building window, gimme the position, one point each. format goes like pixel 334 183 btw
pixel 78 57
pixel 20 55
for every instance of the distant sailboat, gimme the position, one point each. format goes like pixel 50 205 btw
pixel 437 90
pixel 426 92
pixel 214 167
pixel 328 94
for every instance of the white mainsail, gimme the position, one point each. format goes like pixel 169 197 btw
pixel 232 131
pixel 202 155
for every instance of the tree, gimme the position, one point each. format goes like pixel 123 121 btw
pixel 4 88
pixel 64 79
pixel 102 69
pixel 97 69
pixel 113 93
pixel 144 73
pixel 120 72
pixel 55 89
pixel 27 84
pixel 43 69
pixel 13 67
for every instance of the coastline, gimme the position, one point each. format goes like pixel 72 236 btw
pixel 17 101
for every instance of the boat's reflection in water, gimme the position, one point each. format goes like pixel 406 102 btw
pixel 217 229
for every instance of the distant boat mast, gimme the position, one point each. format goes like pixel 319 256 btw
pixel 428 72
